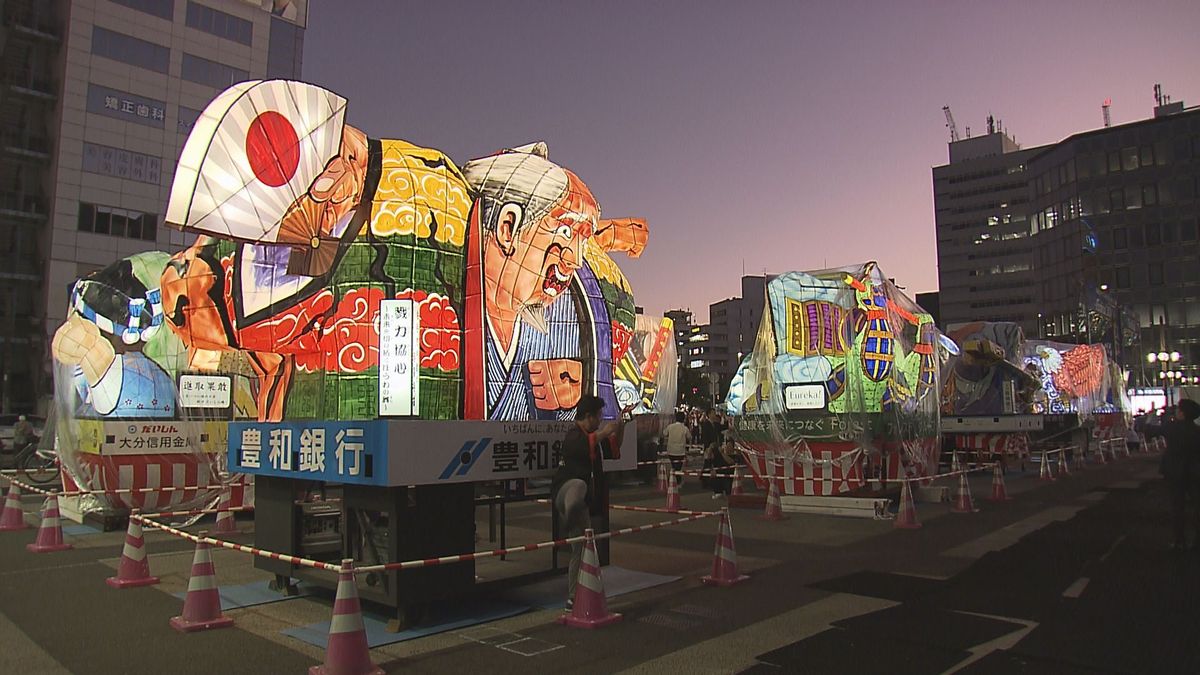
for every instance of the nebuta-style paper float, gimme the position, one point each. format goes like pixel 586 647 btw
pixel 843 384
pixel 341 277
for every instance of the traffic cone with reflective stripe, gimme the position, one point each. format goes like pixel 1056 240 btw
pixel 906 516
pixel 202 605
pixel 664 470
pixel 134 568
pixel 724 571
pixel 774 509
pixel 347 652
pixel 1044 472
pixel 1064 467
pixel 672 493
pixel 736 490
pixel 999 491
pixel 590 607
pixel 49 536
pixel 13 516
pixel 225 521
pixel 963 503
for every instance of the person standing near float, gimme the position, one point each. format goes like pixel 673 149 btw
pixel 578 485
pixel 1181 469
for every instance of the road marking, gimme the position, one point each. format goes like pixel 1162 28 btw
pixel 510 642
pixel 1003 642
pixel 1111 549
pixel 1011 534
pixel 1076 589
pixel 736 650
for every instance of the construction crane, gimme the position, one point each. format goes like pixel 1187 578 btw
pixel 950 124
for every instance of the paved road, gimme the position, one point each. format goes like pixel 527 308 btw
pixel 1072 576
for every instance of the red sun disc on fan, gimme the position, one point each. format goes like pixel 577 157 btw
pixel 272 148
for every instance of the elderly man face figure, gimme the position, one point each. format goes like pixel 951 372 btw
pixel 535 217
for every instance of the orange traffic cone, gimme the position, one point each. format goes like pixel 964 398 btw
pixel 134 568
pixel 225 521
pixel 736 490
pixel 906 516
pixel 664 470
pixel 1044 472
pixel 724 571
pixel 347 652
pixel 672 493
pixel 589 608
pixel 999 491
pixel 1064 467
pixel 202 605
pixel 13 516
pixel 774 510
pixel 49 536
pixel 963 503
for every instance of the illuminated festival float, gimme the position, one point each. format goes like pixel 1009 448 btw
pixel 843 386
pixel 356 312
pixel 1008 394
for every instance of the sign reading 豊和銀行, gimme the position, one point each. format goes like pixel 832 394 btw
pixel 408 452
pixel 336 452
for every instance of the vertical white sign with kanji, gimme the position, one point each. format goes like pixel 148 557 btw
pixel 399 358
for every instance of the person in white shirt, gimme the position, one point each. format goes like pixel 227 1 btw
pixel 675 438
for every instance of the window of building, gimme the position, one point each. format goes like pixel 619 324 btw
pixel 117 222
pixel 186 119
pixel 1129 159
pixel 121 163
pixel 1187 230
pixel 1146 156
pixel 1168 233
pixel 1153 234
pixel 1136 240
pixel 216 22
pixel 1120 239
pixel 1121 275
pixel 1114 161
pixel 285 49
pixel 163 9
pixel 1155 271
pixel 1117 198
pixel 1133 197
pixel 210 73
pixel 1149 194
pixel 131 50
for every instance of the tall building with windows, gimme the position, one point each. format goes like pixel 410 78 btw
pixel 984 250
pixel 97 99
pixel 1094 238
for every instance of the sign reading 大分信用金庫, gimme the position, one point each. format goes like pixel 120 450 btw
pixel 407 452
pixel 399 384
pixel 804 396
pixel 205 391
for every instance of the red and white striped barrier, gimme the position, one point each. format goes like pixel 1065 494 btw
pixel 271 555
pixel 464 557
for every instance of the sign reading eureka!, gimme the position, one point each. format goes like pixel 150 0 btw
pixel 804 396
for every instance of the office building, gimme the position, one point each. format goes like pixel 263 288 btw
pixel 98 97
pixel 1102 243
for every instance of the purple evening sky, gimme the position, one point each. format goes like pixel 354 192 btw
pixel 771 135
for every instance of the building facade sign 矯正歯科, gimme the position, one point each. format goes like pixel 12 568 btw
pixel 125 106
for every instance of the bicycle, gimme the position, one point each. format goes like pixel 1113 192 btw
pixel 40 466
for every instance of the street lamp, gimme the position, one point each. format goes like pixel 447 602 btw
pixel 1167 374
